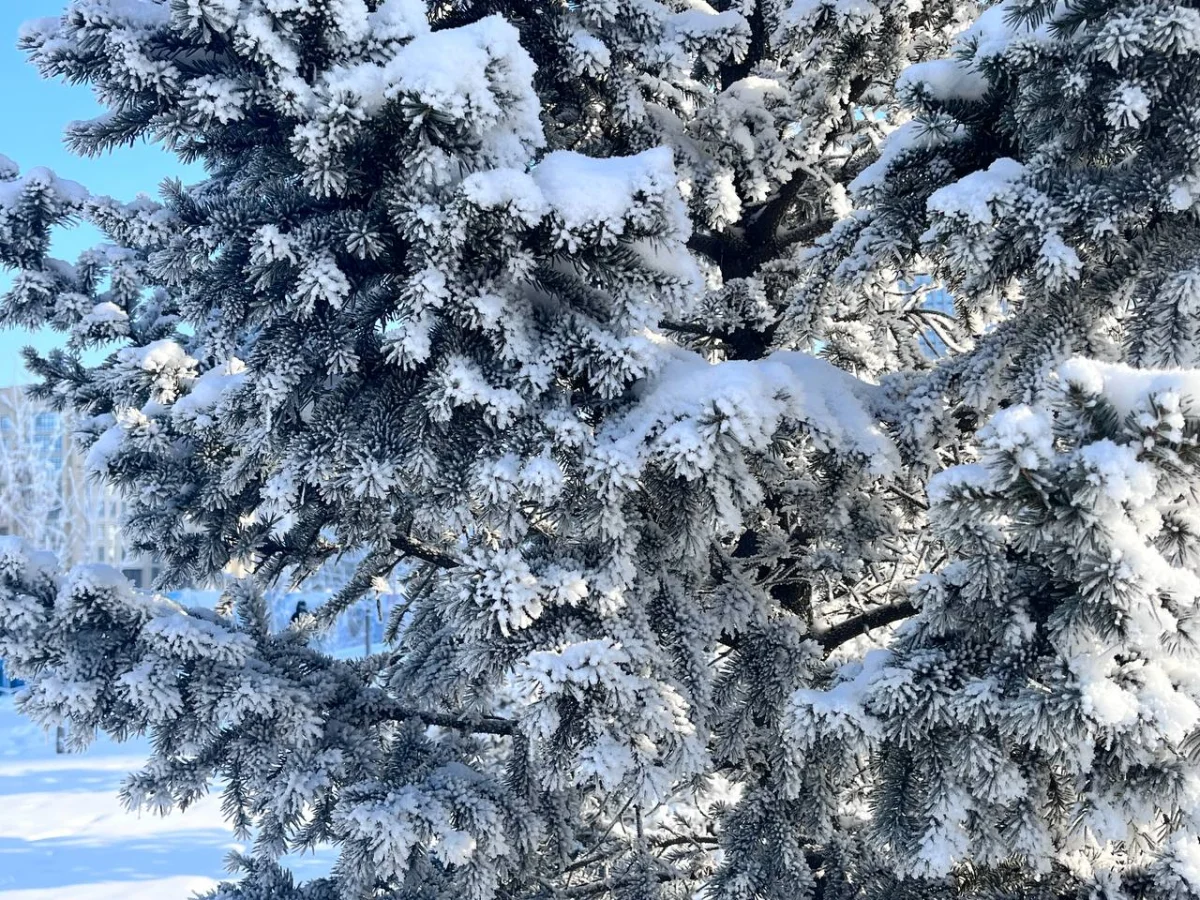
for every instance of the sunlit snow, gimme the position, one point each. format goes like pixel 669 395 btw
pixel 64 834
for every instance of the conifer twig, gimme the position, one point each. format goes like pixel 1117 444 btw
pixel 834 637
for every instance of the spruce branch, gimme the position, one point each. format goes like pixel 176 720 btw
pixel 418 549
pixel 457 722
pixel 846 631
pixel 734 255
pixel 764 232
pixel 608 885
pixel 911 498
pixel 694 330
pixel 806 233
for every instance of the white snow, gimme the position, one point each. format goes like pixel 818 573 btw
pixel 67 193
pixel 106 312
pixel 1057 261
pixel 589 53
pixel 143 889
pixel 971 197
pixel 600 197
pixel 510 188
pixel 1022 432
pixel 943 486
pixel 221 99
pixel 194 638
pixel 693 410
pixel 589 662
pixel 1129 107
pixel 708 23
pixel 992 32
pixel 1104 700
pixel 1186 861
pixel 164 354
pixel 321 279
pixel 199 404
pixel 803 12
pixel 446 70
pixel 397 20
pixel 944 79
pixel 1116 469
pixel 105 447
pixel 725 206
pixel 587 192
pixel 838 709
pixel 1127 388
pixel 509 589
pixel 464 384
pixel 477 74
pixel 137 13
pixel 166 364
pixel 64 834
pixel 909 136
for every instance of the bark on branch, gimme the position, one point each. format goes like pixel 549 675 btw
pixel 418 549
pixel 832 638
pixel 612 884
pixel 458 722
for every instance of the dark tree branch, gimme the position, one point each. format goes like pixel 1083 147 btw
pixel 803 234
pixel 714 246
pixel 731 72
pixel 418 549
pixel 751 343
pixel 832 638
pixel 696 839
pixel 911 498
pixel 460 722
pixel 612 884
pixel 731 253
pixel 694 330
pixel 763 235
pixel 741 343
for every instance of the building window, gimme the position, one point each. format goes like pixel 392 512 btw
pixel 134 576
pixel 46 421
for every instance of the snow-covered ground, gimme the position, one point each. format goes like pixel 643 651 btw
pixel 65 836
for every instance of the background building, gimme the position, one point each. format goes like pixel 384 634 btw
pixel 47 498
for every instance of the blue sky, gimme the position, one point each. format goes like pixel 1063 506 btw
pixel 35 113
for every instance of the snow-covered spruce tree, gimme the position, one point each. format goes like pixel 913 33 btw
pixel 426 307
pixel 1047 181
pixel 399 318
pixel 1038 719
pixel 1032 732
pixel 771 108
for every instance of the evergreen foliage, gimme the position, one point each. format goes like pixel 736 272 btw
pixel 604 331
pixel 1046 179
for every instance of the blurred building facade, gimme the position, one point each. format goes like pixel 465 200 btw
pixel 47 498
